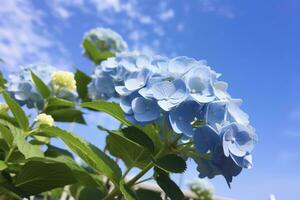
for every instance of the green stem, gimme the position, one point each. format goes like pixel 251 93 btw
pixel 11 151
pixel 142 181
pixel 116 190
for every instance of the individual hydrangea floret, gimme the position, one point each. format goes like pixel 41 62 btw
pixel 44 119
pixel 105 40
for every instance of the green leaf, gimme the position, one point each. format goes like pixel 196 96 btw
pixel 167 185
pixel 40 85
pixel 111 108
pixel 37 177
pixel 154 134
pixel 89 153
pixel 171 163
pixel 83 177
pixel 57 102
pixel 127 192
pixel 27 149
pixel 2 81
pixel 143 194
pixel 80 192
pixel 133 154
pixel 82 80
pixel 6 135
pixel 67 115
pixel 3 165
pixel 17 111
pixel 94 54
pixel 138 136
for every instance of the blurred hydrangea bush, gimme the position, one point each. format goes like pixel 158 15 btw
pixel 169 109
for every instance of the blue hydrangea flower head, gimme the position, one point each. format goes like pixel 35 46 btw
pixel 105 40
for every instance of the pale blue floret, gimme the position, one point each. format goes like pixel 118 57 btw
pixel 200 84
pixel 238 142
pixel 145 110
pixel 183 116
pixel 206 139
pixel 179 66
pixel 138 109
pixel 101 87
pixel 215 114
pixel 169 93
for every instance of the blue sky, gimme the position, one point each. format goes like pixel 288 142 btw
pixel 254 44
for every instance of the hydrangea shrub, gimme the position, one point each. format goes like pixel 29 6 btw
pixel 169 109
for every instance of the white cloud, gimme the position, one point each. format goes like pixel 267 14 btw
pixel 23 35
pixel 167 15
pixel 217 6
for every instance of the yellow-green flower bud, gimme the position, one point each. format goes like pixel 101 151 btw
pixel 3 107
pixel 64 79
pixel 44 119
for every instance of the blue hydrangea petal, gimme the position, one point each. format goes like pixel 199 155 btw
pixel 145 110
pixel 182 116
pixel 137 80
pixel 166 105
pixel 206 138
pixel 163 90
pixel 181 65
pixel 122 90
pixel 244 162
pixel 216 113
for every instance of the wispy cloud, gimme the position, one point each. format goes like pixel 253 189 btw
pixel 23 35
pixel 217 6
pixel 167 15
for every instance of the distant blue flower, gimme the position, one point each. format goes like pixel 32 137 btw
pixel 238 142
pixel 182 117
pixel 101 86
pixel 169 93
pixel 105 40
pixel 22 88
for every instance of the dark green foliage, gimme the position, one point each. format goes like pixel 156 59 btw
pixel 167 185
pixel 82 80
pixel 171 163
